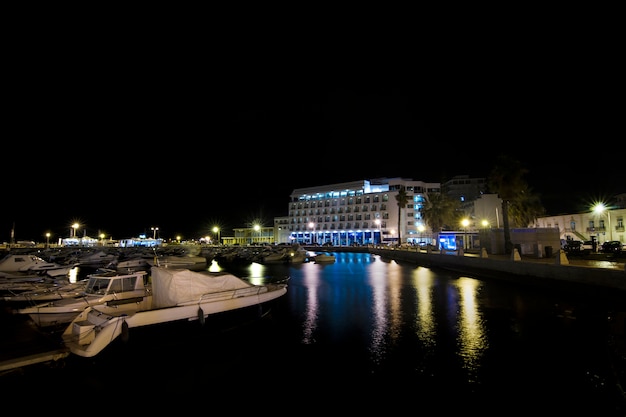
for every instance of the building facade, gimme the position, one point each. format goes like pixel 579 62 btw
pixel 358 213
pixel 594 225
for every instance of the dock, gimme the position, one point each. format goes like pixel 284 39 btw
pixel 9 365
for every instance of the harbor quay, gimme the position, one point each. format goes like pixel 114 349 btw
pixel 605 276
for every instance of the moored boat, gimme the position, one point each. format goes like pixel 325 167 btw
pixel 107 288
pixel 177 294
pixel 324 257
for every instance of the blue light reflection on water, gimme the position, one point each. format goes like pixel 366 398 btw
pixel 365 319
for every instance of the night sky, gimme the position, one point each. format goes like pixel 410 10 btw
pixel 129 147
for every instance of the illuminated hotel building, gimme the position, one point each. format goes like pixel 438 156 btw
pixel 359 213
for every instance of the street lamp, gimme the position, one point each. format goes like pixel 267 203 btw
pixel 421 229
pixel 601 208
pixel 257 229
pixel 380 234
pixel 74 227
pixel 465 223
pixel 216 230
pixel 47 240
pixel 154 232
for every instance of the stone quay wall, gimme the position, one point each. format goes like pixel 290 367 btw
pixel 556 271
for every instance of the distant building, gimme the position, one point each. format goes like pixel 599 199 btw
pixel 358 213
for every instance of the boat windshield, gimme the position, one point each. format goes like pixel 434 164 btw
pixel 97 285
pixel 107 285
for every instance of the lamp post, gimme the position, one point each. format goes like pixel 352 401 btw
pixel 216 230
pixel 380 234
pixel 601 208
pixel 47 240
pixel 257 229
pixel 421 229
pixel 154 232
pixel 74 227
pixel 465 223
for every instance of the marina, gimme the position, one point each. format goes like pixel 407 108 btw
pixel 380 327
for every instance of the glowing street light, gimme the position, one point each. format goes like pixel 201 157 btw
pixel 465 223
pixel 47 240
pixel 421 230
pixel 154 232
pixel 601 208
pixel 216 230
pixel 257 229
pixel 73 229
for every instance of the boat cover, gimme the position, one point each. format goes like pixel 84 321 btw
pixel 171 286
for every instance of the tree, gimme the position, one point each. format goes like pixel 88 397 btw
pixel 524 208
pixel 402 198
pixel 439 211
pixel 507 180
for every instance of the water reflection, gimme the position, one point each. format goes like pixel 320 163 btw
pixel 312 282
pixel 471 330
pixel 425 323
pixel 379 310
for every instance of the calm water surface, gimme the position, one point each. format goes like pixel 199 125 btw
pixel 368 332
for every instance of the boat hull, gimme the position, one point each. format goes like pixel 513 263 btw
pixel 95 328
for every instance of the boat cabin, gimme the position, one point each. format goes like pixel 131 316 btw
pixel 112 282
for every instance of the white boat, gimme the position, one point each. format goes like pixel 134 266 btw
pixel 177 294
pixel 324 257
pixel 96 259
pixel 275 257
pixel 106 288
pixel 296 254
pixel 43 291
pixel 32 264
pixel 191 262
pixel 134 264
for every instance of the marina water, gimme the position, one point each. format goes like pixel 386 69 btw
pixel 368 333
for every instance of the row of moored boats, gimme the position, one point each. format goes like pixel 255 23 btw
pixel 91 313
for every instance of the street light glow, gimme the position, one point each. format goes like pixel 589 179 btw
pixel 600 208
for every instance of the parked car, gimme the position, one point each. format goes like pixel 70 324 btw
pixel 612 246
pixel 588 247
pixel 573 247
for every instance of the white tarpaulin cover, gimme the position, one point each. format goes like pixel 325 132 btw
pixel 171 286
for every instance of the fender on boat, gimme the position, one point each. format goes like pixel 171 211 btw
pixel 125 331
pixel 201 315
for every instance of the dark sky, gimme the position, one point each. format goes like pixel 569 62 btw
pixel 183 147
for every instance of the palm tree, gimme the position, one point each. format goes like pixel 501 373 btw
pixel 525 208
pixel 506 180
pixel 439 211
pixel 402 198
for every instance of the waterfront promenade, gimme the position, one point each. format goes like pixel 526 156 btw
pixel 603 274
